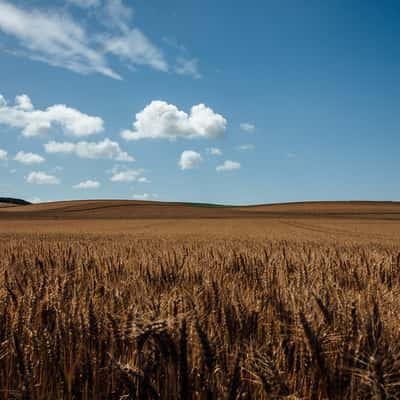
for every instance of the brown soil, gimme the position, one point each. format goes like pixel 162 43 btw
pixel 127 209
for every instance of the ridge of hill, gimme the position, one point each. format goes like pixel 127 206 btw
pixel 10 201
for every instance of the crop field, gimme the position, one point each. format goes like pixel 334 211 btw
pixel 136 300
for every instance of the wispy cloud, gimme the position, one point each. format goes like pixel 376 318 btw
pixel 118 14
pixel 189 67
pixel 185 64
pixel 54 38
pixel 135 48
pixel 247 127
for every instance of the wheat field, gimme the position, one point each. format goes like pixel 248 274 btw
pixel 200 310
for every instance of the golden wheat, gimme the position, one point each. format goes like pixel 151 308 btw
pixel 121 317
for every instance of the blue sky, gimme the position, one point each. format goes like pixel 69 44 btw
pixel 228 102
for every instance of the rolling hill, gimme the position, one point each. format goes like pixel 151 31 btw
pixel 132 209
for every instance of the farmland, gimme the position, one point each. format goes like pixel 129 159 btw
pixel 146 300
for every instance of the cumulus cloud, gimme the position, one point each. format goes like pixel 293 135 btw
pixel 245 147
pixel 127 175
pixel 160 120
pixel 106 149
pixel 23 102
pixel 53 38
pixel 28 158
pixel 3 155
pixel 33 122
pixel 188 67
pixel 228 165
pixel 89 184
pixel 144 196
pixel 247 127
pixel 214 151
pixel 42 178
pixel 190 159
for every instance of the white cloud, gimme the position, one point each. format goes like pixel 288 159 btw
pixel 214 151
pixel 89 184
pixel 53 38
pixel 128 175
pixel 23 102
pixel 190 159
pixel 228 165
pixel 41 178
pixel 247 127
pixel 143 179
pixel 144 196
pixel 85 3
pixel 131 45
pixel 29 158
pixel 37 122
pixel 3 155
pixel 118 14
pixel 188 67
pixel 135 48
pixel 245 147
pixel 106 149
pixel 160 120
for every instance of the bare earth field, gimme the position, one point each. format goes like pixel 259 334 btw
pixel 2 205
pixel 337 221
pixel 145 300
pixel 127 209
